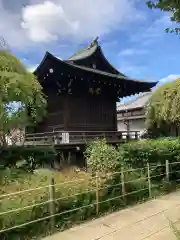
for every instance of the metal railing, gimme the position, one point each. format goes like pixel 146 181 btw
pixel 97 185
pixel 78 137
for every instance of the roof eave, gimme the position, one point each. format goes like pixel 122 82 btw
pixel 95 71
pixel 47 54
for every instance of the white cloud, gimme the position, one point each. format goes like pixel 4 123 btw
pixel 10 28
pixel 80 20
pixel 132 51
pixel 162 81
pixel 30 22
pixel 167 79
pixel 154 31
pixel 44 21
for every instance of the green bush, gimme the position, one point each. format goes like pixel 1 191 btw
pixel 33 156
pixel 42 178
pixel 136 190
pixel 101 157
pixel 155 152
pixel 110 199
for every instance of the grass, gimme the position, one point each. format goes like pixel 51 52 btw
pixel 14 180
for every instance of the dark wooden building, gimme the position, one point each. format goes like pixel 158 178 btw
pixel 83 90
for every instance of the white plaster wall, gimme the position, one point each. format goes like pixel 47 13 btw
pixel 134 125
pixel 121 126
pixel 137 125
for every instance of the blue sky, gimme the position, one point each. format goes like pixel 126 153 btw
pixel 131 35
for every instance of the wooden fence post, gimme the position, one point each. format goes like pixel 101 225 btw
pixel 167 170
pixel 97 193
pixel 52 203
pixel 149 181
pixel 123 185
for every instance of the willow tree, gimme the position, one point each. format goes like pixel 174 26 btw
pixel 22 102
pixel 163 108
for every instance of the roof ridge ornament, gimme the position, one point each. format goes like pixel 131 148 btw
pixel 94 42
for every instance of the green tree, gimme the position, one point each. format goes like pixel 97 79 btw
pixel 171 6
pixel 163 108
pixel 18 89
pixel 101 157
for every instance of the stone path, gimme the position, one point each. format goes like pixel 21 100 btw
pixel 144 221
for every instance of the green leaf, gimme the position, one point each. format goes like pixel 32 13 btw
pixel 171 6
pixel 159 111
pixel 18 85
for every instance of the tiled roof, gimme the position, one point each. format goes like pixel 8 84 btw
pixel 49 58
pixel 83 53
pixel 139 102
pixel 86 52
pixel 117 76
pixel 89 51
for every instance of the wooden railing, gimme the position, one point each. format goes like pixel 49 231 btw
pixel 59 138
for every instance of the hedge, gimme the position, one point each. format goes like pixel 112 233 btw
pixel 33 156
pixel 155 152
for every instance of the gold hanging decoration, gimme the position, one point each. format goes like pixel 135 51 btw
pixel 59 92
pixel 59 85
pixel 98 91
pixel 91 90
pixel 70 82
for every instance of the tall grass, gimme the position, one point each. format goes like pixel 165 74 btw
pixel 14 180
pixel 110 198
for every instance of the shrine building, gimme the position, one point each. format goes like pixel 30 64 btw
pixel 83 90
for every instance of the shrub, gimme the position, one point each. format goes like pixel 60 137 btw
pixel 33 156
pixel 160 115
pixel 136 189
pixel 155 152
pixel 101 157
pixel 137 154
pixel 42 178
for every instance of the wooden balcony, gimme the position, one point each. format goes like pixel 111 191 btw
pixel 71 138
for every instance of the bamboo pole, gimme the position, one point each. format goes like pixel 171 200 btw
pixel 149 181
pixel 97 193
pixel 123 185
pixel 52 203
pixel 167 170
